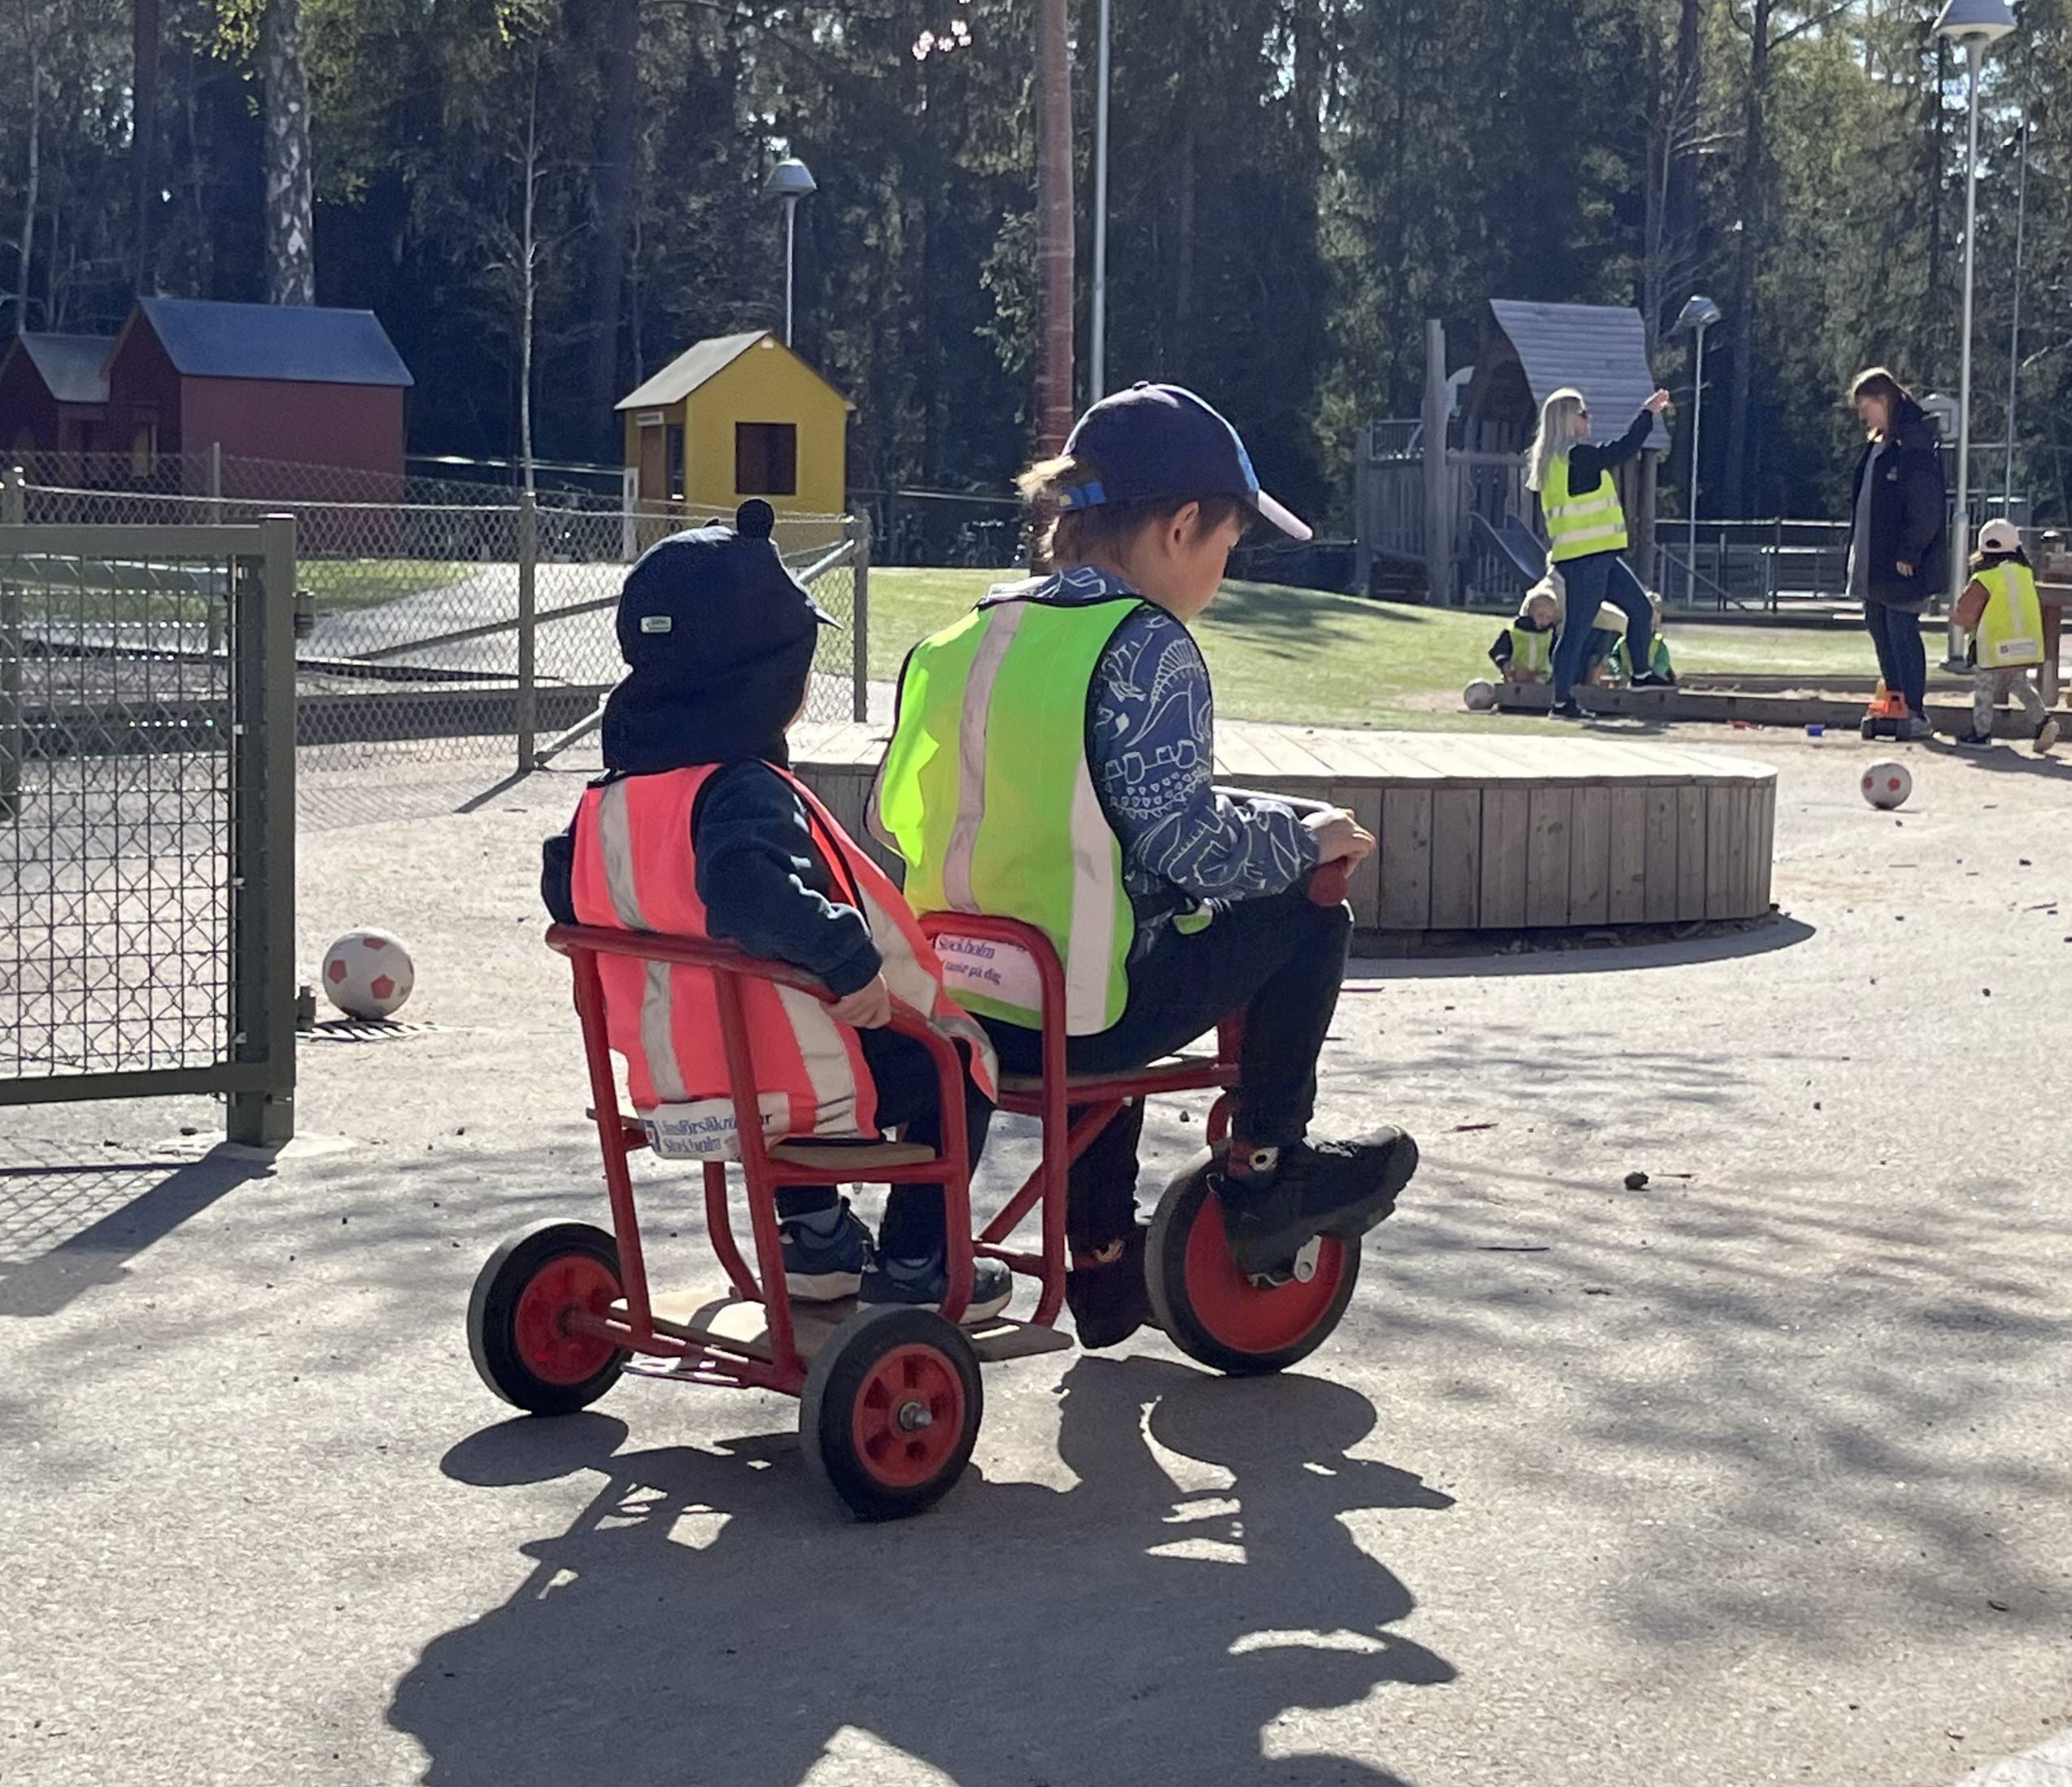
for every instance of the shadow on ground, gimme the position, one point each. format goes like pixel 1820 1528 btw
pixel 702 1620
pixel 67 1229
pixel 1371 963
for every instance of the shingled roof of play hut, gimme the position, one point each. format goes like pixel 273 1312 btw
pixel 1528 351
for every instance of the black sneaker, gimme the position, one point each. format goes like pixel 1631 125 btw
pixel 1337 1188
pixel 1652 679
pixel 1566 710
pixel 1106 1296
pixel 825 1254
pixel 1974 741
pixel 925 1282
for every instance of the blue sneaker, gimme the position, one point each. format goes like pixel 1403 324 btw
pixel 925 1282
pixel 825 1254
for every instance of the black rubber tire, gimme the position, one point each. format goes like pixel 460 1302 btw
pixel 493 1340
pixel 1165 1276
pixel 1869 728
pixel 839 1377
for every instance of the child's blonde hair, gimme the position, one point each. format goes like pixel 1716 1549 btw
pixel 1069 536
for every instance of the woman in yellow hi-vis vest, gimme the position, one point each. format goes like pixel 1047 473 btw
pixel 2000 610
pixel 1587 532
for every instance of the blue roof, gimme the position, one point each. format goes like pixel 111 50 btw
pixel 297 342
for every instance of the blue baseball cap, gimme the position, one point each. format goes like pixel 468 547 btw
pixel 1155 443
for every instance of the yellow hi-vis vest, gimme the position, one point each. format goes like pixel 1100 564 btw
pixel 1580 526
pixel 2010 635
pixel 1532 654
pixel 986 793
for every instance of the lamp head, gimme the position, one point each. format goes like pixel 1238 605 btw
pixel 1975 22
pixel 1698 312
pixel 789 179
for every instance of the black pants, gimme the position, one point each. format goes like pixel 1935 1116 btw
pixel 1902 656
pixel 1279 961
pixel 909 1099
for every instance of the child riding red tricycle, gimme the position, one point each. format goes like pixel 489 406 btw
pixel 1088 898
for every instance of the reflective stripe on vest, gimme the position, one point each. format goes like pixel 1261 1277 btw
pixel 1580 526
pixel 2011 631
pixel 636 869
pixel 1531 653
pixel 986 793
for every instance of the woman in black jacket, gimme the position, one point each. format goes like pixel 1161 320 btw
pixel 1899 534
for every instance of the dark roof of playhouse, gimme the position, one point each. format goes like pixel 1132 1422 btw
pixel 698 364
pixel 74 367
pixel 300 343
pixel 1600 349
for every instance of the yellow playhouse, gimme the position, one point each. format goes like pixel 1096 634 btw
pixel 736 417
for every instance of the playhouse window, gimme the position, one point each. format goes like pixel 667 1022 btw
pixel 766 458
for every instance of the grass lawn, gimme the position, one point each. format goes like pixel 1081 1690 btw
pixel 340 586
pixel 1288 654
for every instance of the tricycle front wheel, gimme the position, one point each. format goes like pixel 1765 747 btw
pixel 1213 1312
pixel 520 1333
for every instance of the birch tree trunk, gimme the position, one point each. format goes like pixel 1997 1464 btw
pixel 1053 393
pixel 290 247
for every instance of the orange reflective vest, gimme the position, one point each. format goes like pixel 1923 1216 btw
pixel 635 868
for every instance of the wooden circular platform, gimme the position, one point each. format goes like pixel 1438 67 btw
pixel 1494 832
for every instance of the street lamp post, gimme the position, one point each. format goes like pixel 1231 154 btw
pixel 1975 24
pixel 790 181
pixel 1097 372
pixel 1697 316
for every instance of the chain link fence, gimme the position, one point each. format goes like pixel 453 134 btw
pixel 436 630
pixel 147 817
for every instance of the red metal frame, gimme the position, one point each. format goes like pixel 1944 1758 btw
pixel 1052 1103
pixel 620 1137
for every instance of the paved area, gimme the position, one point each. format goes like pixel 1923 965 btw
pixel 1757 1475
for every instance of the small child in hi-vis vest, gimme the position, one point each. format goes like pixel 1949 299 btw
pixel 2000 611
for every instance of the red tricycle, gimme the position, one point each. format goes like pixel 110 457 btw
pixel 891 1396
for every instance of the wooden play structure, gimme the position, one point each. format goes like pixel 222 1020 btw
pixel 1454 520
pixel 1493 833
pixel 733 417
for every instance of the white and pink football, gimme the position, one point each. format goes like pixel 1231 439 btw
pixel 368 974
pixel 1887 784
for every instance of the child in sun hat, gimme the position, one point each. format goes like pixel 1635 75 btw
pixel 698 828
pixel 2000 611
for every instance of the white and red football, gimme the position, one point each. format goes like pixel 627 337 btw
pixel 1887 784
pixel 367 973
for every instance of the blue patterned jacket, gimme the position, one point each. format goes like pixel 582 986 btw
pixel 1150 744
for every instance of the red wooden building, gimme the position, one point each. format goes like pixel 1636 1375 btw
pixel 294 385
pixel 54 394
pixel 284 382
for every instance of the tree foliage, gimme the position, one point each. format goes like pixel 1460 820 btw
pixel 1296 185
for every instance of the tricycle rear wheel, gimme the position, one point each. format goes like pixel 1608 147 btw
pixel 519 1333
pixel 891 1411
pixel 1213 1312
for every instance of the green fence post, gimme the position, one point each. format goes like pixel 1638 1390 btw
pixel 263 836
pixel 14 512
pixel 859 615
pixel 528 713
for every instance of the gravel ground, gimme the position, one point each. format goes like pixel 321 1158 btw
pixel 1758 1474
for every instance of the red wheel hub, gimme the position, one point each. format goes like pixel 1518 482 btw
pixel 1249 1317
pixel 552 1350
pixel 908 1416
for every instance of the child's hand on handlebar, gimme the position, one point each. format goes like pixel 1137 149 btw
pixel 1339 836
pixel 868 1008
